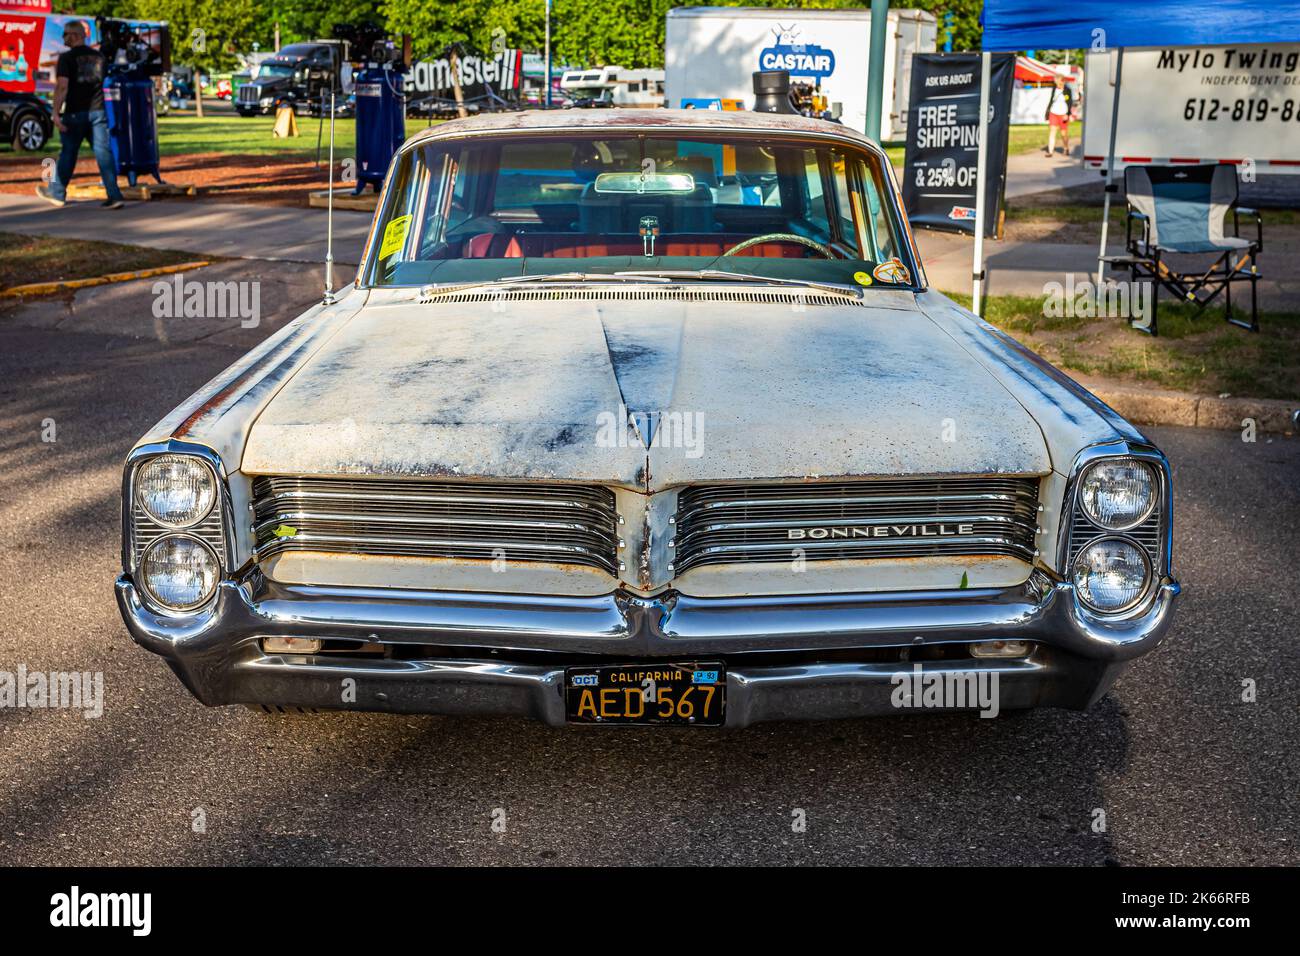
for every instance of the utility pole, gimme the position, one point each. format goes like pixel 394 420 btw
pixel 548 54
pixel 876 68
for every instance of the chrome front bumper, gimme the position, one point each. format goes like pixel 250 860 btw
pixel 506 654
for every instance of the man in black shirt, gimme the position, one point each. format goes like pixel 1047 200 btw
pixel 79 111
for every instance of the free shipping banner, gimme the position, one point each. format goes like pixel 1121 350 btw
pixel 942 155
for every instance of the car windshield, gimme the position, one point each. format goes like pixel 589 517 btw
pixel 494 207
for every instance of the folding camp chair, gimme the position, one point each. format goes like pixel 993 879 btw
pixel 1181 210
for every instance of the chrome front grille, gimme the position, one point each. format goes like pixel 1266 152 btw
pixel 249 94
pixel 565 524
pixel 890 518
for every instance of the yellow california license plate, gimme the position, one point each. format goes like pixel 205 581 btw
pixel 647 694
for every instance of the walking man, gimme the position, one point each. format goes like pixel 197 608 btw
pixel 79 111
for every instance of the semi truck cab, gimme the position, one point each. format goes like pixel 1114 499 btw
pixel 296 74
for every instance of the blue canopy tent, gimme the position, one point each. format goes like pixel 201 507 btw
pixel 1012 25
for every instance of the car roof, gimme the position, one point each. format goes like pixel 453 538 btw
pixel 666 120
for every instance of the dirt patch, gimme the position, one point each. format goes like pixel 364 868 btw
pixel 218 176
pixel 1220 360
pixel 1067 223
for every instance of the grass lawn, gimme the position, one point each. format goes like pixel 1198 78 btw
pixel 1074 214
pixel 1203 355
pixel 231 133
pixel 1082 214
pixel 27 259
pixel 183 134
pixel 1026 139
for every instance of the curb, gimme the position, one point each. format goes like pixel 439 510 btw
pixel 1149 406
pixel 51 288
pixel 343 199
pixel 141 192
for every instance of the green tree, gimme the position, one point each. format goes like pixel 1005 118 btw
pixel 311 19
pixel 625 32
pixel 433 27
pixel 95 8
pixel 205 36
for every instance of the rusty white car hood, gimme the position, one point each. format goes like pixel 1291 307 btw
pixel 718 390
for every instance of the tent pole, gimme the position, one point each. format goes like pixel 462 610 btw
pixel 977 267
pixel 1110 172
pixel 876 68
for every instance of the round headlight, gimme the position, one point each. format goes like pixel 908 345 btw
pixel 176 490
pixel 179 572
pixel 1118 495
pixel 1111 574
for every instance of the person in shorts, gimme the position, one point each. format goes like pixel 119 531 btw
pixel 1059 106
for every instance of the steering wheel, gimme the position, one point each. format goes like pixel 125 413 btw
pixel 812 244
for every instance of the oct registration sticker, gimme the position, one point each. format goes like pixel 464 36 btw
pixel 394 236
pixel 646 694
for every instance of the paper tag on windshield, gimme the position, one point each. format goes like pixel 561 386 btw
pixel 394 236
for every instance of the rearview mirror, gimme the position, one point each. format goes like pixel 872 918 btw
pixel 641 183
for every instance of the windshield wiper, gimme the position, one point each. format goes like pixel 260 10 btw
pixel 661 276
pixel 724 275
pixel 552 277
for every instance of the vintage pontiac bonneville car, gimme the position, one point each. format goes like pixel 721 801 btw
pixel 637 417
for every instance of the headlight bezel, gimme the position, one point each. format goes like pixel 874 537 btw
pixel 176 525
pixel 140 531
pixel 149 593
pixel 1146 514
pixel 1154 535
pixel 1148 576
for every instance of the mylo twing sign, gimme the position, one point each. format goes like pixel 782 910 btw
pixel 943 141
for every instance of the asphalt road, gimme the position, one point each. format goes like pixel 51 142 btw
pixel 1184 770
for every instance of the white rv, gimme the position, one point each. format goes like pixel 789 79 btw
pixel 711 53
pixel 614 86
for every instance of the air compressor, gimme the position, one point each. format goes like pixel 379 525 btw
pixel 380 101
pixel 136 53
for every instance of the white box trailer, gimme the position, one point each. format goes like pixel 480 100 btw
pixel 712 52
pixel 1213 104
